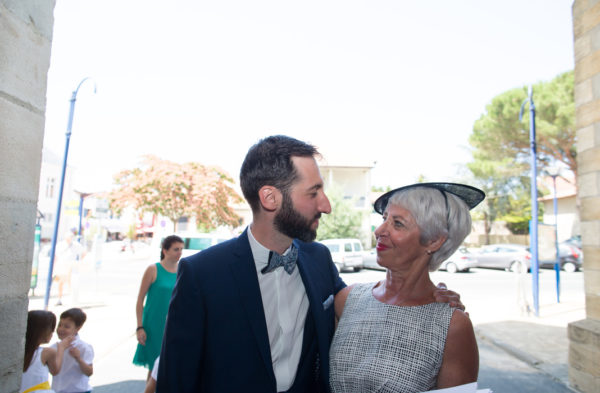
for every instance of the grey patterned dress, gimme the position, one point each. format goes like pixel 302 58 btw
pixel 384 348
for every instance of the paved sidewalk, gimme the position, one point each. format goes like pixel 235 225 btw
pixel 541 342
pixel 505 336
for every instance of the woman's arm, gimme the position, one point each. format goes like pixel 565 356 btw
pixel 53 358
pixel 460 364
pixel 340 302
pixel 147 280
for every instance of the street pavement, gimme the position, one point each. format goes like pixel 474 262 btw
pixel 519 352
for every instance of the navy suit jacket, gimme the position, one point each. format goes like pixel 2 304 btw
pixel 216 337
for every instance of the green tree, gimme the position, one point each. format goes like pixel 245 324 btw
pixel 344 221
pixel 499 136
pixel 501 148
pixel 177 190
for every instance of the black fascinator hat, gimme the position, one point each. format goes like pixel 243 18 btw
pixel 471 195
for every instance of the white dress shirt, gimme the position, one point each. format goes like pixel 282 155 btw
pixel 285 305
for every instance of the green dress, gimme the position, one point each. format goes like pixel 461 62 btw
pixel 155 316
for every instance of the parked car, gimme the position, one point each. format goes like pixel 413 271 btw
pixel 511 257
pixel 346 253
pixel 461 261
pixel 370 260
pixel 571 258
pixel 574 241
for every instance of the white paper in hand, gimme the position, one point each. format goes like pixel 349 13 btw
pixel 467 388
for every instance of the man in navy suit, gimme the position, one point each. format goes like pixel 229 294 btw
pixel 244 316
pixel 236 326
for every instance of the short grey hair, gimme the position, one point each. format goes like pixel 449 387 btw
pixel 437 214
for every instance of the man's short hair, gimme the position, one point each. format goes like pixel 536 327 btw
pixel 269 162
pixel 76 315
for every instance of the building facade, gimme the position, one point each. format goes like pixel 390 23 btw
pixel 584 335
pixel 25 42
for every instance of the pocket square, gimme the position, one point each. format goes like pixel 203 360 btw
pixel 328 302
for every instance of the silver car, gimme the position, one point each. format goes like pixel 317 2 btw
pixel 461 261
pixel 510 257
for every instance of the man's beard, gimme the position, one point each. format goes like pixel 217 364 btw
pixel 292 224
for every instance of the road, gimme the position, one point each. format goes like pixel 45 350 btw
pixel 108 296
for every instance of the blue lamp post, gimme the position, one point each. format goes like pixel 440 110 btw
pixel 60 192
pixel 534 202
pixel 554 172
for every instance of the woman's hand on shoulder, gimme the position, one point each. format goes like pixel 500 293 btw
pixel 443 295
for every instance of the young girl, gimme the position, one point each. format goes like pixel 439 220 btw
pixel 38 361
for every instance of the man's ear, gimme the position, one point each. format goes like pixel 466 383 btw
pixel 269 197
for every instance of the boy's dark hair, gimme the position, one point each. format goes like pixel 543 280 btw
pixel 76 315
pixel 269 162
pixel 167 242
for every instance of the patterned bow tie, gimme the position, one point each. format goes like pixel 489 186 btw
pixel 288 261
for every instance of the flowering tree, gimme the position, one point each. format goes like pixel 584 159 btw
pixel 177 190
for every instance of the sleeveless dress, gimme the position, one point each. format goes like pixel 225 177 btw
pixel 36 373
pixel 384 348
pixel 155 316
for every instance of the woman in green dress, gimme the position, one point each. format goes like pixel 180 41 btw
pixel 157 284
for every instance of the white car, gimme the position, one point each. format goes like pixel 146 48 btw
pixel 461 261
pixel 370 260
pixel 346 253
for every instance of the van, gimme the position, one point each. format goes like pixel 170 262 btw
pixel 346 253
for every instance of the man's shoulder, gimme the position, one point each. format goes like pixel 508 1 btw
pixel 311 247
pixel 213 254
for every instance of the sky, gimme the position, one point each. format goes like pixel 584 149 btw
pixel 390 83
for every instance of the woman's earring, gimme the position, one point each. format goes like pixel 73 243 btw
pixel 429 252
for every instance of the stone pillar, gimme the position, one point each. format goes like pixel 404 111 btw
pixel 25 39
pixel 584 335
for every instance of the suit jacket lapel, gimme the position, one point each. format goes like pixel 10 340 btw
pixel 308 273
pixel 244 273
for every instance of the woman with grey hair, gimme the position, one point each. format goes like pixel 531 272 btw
pixel 392 336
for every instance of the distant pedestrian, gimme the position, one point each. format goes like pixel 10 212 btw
pixel 68 253
pixel 39 361
pixel 157 285
pixel 74 377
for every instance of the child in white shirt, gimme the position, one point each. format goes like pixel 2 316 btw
pixel 77 363
pixel 40 361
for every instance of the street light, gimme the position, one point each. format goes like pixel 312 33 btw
pixel 554 172
pixel 60 191
pixel 534 203
pixel 82 196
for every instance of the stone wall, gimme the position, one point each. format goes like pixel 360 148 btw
pixel 584 336
pixel 25 40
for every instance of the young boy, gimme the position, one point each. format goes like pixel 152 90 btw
pixel 77 365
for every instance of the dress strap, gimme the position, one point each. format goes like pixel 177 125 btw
pixel 39 386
